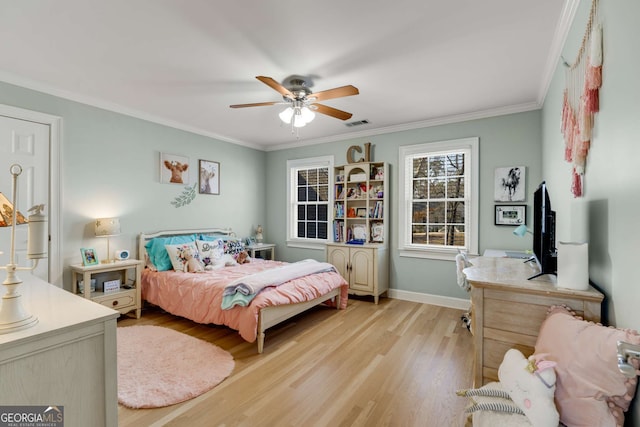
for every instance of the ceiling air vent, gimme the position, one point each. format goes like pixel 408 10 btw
pixel 357 123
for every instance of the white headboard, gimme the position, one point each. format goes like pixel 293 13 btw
pixel 143 238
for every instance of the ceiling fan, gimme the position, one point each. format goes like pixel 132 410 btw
pixel 301 101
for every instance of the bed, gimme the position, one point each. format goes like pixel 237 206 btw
pixel 199 296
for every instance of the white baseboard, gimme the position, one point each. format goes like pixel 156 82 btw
pixel 459 303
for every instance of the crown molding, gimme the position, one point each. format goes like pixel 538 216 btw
pixel 116 108
pixel 555 51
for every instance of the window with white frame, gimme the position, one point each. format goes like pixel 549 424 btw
pixel 308 195
pixel 438 198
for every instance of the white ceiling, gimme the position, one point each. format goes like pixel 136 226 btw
pixel 183 62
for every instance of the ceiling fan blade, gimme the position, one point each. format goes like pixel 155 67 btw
pixel 276 86
pixel 255 104
pixel 333 112
pixel 337 92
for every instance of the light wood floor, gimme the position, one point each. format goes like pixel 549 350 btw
pixel 395 364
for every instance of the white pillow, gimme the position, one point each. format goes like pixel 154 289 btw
pixel 176 254
pixel 210 251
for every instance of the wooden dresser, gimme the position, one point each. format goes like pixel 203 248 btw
pixel 507 309
pixel 67 359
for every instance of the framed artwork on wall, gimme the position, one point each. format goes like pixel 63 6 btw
pixel 509 184
pixel 174 169
pixel 209 177
pixel 510 214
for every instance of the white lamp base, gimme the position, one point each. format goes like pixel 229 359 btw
pixel 13 316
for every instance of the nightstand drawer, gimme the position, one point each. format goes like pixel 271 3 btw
pixel 118 301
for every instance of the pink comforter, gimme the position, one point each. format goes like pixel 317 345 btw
pixel 198 296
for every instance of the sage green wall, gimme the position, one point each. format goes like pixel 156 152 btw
pixel 608 212
pixel 510 140
pixel 611 199
pixel 110 167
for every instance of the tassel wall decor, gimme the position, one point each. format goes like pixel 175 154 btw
pixel 581 99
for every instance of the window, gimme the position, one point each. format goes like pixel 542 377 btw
pixel 308 195
pixel 438 203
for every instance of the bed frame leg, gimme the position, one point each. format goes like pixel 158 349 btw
pixel 260 342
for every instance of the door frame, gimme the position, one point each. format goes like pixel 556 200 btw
pixel 55 205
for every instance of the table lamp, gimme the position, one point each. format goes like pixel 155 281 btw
pixel 107 227
pixel 521 230
pixel 13 316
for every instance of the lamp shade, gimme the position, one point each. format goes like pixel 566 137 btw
pixel 520 230
pixel 107 227
pixel 6 213
pixel 286 115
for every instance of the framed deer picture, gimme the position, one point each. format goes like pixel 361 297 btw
pixel 209 177
pixel 509 184
pixel 174 169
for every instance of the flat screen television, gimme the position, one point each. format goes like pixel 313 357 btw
pixel 544 232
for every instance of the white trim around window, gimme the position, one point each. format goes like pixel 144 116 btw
pixel 292 167
pixel 469 146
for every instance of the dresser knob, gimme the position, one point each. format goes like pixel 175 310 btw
pixel 115 303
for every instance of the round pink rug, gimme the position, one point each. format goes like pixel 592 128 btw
pixel 159 366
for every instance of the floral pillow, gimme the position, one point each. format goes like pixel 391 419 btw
pixel 590 389
pixel 177 254
pixel 210 251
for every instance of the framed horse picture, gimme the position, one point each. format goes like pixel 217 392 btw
pixel 509 184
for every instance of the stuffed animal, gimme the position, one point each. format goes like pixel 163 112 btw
pixel 191 263
pixel 527 387
pixel 242 257
pixel 531 384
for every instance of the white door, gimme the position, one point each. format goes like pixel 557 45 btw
pixel 27 144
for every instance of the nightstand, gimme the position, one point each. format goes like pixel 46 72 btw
pixel 124 299
pixel 262 247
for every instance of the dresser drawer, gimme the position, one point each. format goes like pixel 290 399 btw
pixel 513 316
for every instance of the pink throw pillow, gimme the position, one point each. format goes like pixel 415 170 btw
pixel 590 389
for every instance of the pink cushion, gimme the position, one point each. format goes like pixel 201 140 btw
pixel 590 389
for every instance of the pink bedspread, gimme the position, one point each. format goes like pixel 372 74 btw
pixel 198 296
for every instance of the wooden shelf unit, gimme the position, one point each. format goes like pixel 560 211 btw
pixel 360 213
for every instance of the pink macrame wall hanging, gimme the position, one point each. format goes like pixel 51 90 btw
pixel 580 103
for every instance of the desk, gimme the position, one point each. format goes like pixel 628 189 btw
pixel 508 309
pixel 259 247
pixel 506 254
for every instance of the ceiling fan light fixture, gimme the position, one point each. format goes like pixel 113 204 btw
pixel 298 121
pixel 302 116
pixel 286 115
pixel 307 115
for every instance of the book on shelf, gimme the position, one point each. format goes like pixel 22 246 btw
pixel 338 226
pixel 378 210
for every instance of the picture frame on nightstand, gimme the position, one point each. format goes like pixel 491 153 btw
pixel 89 256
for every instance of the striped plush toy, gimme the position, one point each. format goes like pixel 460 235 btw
pixel 527 387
